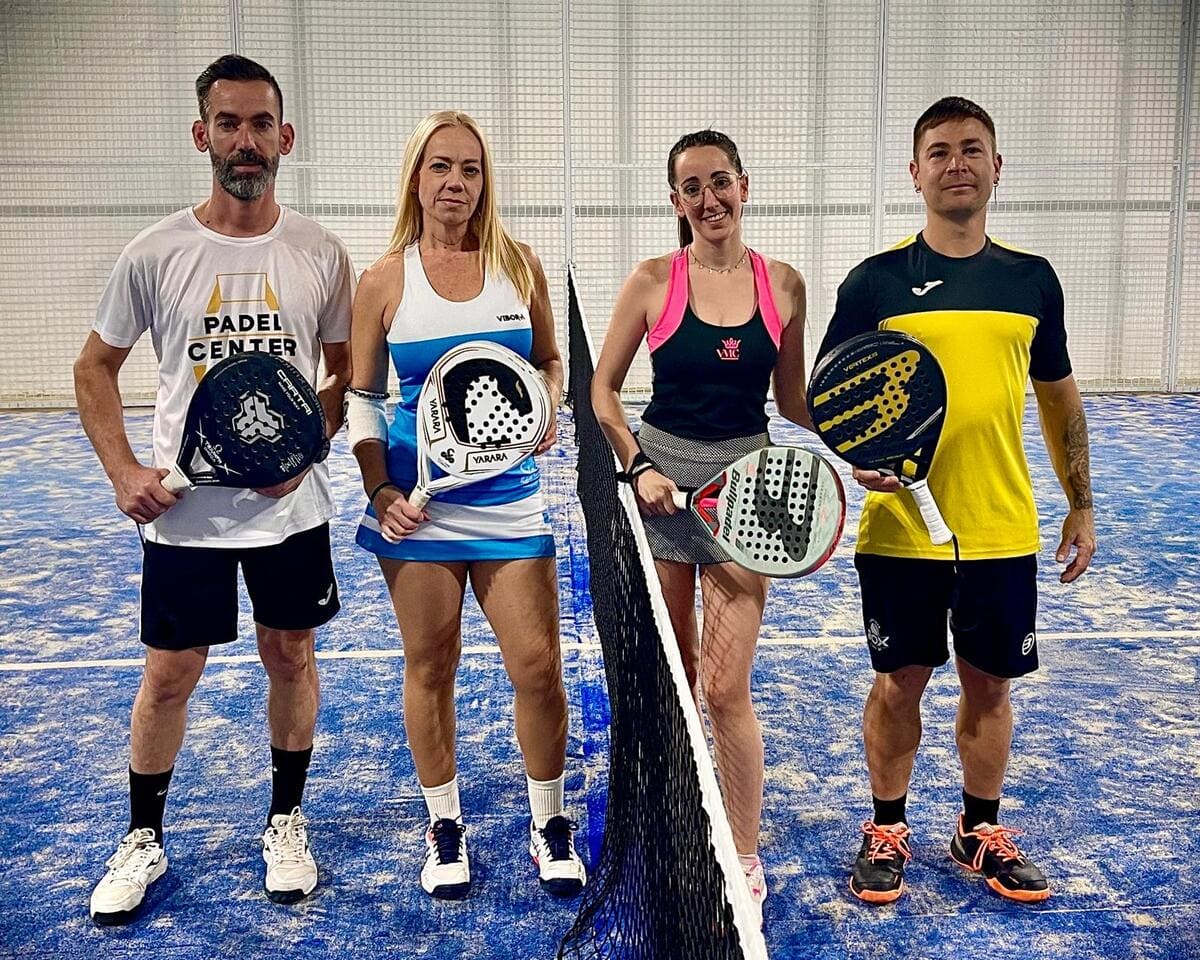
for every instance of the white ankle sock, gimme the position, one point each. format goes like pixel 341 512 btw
pixel 443 801
pixel 545 799
pixel 749 861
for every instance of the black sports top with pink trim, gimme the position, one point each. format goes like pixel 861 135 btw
pixel 710 382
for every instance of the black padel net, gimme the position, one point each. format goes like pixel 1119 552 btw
pixel 668 884
pixel 254 421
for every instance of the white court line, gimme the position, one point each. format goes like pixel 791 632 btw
pixel 490 648
pixel 785 640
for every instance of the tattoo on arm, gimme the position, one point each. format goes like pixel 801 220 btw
pixel 1079 477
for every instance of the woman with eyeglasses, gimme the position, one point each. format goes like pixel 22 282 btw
pixel 721 323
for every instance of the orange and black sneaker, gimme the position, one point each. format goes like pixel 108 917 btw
pixel 878 875
pixel 991 851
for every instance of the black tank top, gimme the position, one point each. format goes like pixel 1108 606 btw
pixel 710 383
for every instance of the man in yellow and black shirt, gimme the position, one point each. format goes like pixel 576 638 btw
pixel 993 317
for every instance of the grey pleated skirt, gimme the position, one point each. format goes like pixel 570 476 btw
pixel 682 537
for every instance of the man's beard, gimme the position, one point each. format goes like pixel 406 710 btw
pixel 244 186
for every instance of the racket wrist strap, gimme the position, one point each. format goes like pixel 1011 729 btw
pixel 637 466
pixel 379 486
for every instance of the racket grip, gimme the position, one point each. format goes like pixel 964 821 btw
pixel 680 499
pixel 175 481
pixel 938 531
pixel 419 497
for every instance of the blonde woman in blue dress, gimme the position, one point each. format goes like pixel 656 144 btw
pixel 451 274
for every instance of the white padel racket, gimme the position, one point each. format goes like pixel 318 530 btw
pixel 778 511
pixel 482 410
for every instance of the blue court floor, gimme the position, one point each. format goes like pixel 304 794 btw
pixel 1105 776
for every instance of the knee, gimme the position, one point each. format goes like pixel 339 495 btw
pixel 538 675
pixel 726 694
pixel 167 686
pixel 986 694
pixel 286 654
pixel 432 671
pixel 900 690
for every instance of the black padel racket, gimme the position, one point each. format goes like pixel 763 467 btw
pixel 254 421
pixel 778 511
pixel 878 401
pixel 482 410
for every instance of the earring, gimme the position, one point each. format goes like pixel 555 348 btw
pixel 916 188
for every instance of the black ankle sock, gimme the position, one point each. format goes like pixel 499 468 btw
pixel 888 812
pixel 977 811
pixel 148 800
pixel 289 770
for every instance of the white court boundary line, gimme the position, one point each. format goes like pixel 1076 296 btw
pixel 395 653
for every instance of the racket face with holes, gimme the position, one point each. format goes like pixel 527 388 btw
pixel 254 421
pixel 778 511
pixel 482 410
pixel 878 401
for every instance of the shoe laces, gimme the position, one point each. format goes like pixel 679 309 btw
pixel 447 839
pixel 291 838
pixel 134 853
pixel 998 841
pixel 887 843
pixel 557 834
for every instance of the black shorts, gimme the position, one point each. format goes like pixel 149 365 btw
pixel 190 595
pixel 991 604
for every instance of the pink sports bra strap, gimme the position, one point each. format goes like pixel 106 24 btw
pixel 677 299
pixel 766 299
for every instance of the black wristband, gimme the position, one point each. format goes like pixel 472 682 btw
pixel 637 466
pixel 640 464
pixel 371 496
pixel 367 394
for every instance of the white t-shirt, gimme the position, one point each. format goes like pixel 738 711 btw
pixel 199 293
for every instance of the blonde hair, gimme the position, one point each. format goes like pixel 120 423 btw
pixel 498 252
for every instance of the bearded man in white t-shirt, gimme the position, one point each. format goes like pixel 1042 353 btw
pixel 237 272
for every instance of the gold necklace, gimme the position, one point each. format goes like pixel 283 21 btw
pixel 705 266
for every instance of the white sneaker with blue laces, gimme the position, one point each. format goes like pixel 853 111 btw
pixel 446 873
pixel 560 870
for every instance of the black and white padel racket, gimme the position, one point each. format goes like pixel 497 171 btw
pixel 878 401
pixel 254 421
pixel 778 511
pixel 482 410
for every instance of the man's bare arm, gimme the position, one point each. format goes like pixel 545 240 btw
pixel 138 489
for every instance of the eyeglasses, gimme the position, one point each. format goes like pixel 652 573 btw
pixel 692 192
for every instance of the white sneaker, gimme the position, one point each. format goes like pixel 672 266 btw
pixel 291 869
pixel 560 870
pixel 756 880
pixel 447 870
pixel 138 862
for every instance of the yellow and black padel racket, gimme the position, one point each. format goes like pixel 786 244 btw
pixel 878 401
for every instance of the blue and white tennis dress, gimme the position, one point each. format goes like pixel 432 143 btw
pixel 501 518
